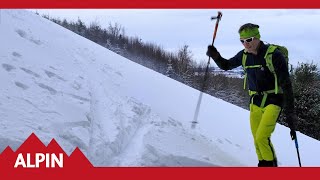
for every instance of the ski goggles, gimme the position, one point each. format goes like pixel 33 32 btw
pixel 250 39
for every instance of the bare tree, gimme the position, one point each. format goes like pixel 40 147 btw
pixel 115 30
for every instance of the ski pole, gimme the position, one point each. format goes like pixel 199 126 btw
pixel 297 147
pixel 195 118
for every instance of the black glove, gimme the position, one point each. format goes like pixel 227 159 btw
pixel 293 134
pixel 292 120
pixel 213 52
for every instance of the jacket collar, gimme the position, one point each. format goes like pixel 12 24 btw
pixel 262 48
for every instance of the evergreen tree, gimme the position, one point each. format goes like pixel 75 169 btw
pixel 169 72
pixel 81 27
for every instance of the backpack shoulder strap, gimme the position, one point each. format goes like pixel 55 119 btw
pixel 269 63
pixel 244 59
pixel 268 57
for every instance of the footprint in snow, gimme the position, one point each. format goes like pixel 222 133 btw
pixel 8 67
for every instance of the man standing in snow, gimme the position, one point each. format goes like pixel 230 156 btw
pixel 269 92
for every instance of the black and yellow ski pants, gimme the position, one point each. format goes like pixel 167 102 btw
pixel 263 121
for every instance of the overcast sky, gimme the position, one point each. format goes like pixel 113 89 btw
pixel 296 29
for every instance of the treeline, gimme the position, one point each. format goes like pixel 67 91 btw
pixel 182 67
pixel 114 38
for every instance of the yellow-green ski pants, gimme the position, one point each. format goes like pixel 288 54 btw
pixel 263 122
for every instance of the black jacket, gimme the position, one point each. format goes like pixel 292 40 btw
pixel 261 79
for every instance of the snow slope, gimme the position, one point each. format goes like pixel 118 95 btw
pixel 59 85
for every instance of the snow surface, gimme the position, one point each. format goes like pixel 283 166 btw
pixel 60 85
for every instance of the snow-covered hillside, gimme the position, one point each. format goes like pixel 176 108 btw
pixel 59 85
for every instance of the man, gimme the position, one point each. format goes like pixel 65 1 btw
pixel 266 100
